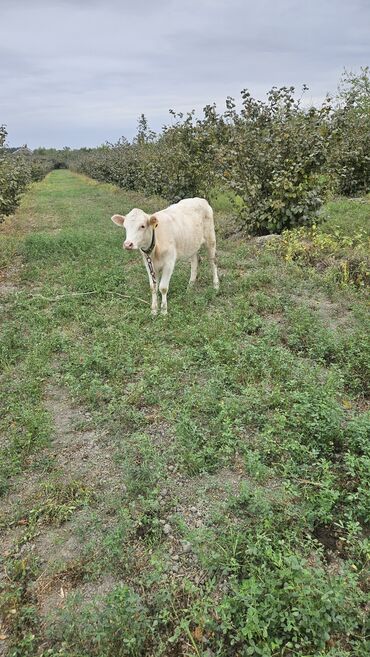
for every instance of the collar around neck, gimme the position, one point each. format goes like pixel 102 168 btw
pixel 152 244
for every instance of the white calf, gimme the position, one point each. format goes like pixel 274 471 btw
pixel 176 232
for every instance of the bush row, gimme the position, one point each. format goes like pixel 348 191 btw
pixel 17 170
pixel 276 159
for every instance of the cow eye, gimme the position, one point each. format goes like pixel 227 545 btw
pixel 142 226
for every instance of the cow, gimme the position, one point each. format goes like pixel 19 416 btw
pixel 178 231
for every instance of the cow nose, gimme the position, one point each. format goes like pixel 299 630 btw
pixel 128 245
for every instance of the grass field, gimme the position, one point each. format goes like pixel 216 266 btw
pixel 190 485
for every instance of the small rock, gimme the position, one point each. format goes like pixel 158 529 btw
pixel 198 523
pixel 167 529
pixel 186 546
pixel 175 557
pixel 164 492
pixel 193 509
pixel 175 567
pixel 261 241
pixel 124 489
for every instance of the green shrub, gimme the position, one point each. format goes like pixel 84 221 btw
pixel 268 158
pixel 40 167
pixel 275 160
pixel 16 172
pixel 14 177
pixel 349 161
pixel 273 157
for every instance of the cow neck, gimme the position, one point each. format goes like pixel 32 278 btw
pixel 152 244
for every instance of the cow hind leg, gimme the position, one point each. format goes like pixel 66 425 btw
pixel 211 248
pixel 194 269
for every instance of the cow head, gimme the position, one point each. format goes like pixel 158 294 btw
pixel 139 228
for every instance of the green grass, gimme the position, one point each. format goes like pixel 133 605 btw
pixel 347 216
pixel 248 406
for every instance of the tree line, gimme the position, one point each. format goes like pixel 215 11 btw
pixel 276 159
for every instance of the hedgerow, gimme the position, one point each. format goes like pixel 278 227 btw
pixel 14 176
pixel 277 159
pixel 17 170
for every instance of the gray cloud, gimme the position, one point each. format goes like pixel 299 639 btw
pixel 78 72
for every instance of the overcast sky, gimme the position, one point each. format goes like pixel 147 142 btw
pixel 79 72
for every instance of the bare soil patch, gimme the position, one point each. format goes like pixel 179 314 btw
pixel 334 315
pixel 83 456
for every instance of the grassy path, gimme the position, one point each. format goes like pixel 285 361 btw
pixel 190 485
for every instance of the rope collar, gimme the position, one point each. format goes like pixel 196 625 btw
pixel 152 244
pixel 147 254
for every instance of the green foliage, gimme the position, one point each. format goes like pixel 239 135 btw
pixel 40 167
pixel 273 157
pixel 275 161
pixel 141 464
pixel 284 605
pixel 16 172
pixel 121 629
pixel 268 157
pixel 187 152
pixel 345 256
pixel 14 177
pixel 349 161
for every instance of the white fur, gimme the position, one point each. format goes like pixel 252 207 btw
pixel 180 231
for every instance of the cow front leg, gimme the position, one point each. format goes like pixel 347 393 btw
pixel 164 284
pixel 153 289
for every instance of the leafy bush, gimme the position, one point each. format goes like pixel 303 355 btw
pixel 188 151
pixel 349 161
pixel 14 177
pixel 273 158
pixel 16 172
pixel 40 167
pixel 269 156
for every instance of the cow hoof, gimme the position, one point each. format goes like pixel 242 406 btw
pixel 154 312
pixel 163 311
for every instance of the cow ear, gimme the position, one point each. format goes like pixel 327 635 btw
pixel 118 219
pixel 153 221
